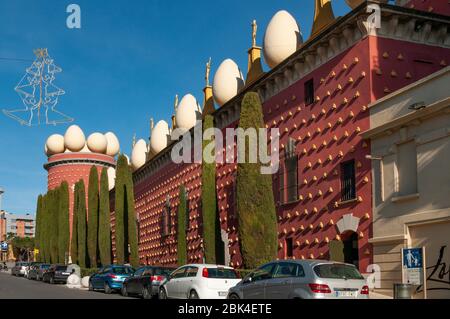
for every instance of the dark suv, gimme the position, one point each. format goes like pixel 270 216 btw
pixel 56 274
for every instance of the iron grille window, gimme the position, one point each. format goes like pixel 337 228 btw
pixel 348 181
pixel 309 92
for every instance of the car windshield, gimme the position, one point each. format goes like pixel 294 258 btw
pixel 123 270
pixel 222 273
pixel 337 271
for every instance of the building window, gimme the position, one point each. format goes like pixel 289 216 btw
pixel 309 92
pixel 348 181
pixel 407 169
pixel 289 253
pixel 289 175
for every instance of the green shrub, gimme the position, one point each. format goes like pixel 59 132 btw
pixel 104 231
pixel 81 226
pixel 74 243
pixel 93 206
pixel 63 223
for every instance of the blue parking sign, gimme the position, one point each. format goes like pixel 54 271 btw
pixel 413 258
pixel 4 246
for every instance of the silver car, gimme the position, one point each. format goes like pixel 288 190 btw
pixel 302 279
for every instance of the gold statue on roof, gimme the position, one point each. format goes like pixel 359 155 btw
pixel 208 71
pixel 254 32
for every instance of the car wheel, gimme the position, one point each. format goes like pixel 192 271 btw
pixel 91 286
pixel 193 295
pixel 146 294
pixel 234 296
pixel 162 294
pixel 124 291
pixel 107 289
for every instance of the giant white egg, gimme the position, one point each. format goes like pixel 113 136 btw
pixel 113 144
pixel 55 144
pixel 74 138
pixel 111 178
pixel 282 38
pixel 97 143
pixel 160 137
pixel 228 81
pixel 188 113
pixel 139 155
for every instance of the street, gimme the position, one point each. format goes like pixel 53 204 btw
pixel 20 288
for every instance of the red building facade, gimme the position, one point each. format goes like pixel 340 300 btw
pixel 319 99
pixel 73 167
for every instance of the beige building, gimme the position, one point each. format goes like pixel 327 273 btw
pixel 410 141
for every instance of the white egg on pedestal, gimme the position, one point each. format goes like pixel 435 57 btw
pixel 97 143
pixel 282 38
pixel 188 113
pixel 113 144
pixel 228 81
pixel 55 145
pixel 139 155
pixel 160 137
pixel 74 139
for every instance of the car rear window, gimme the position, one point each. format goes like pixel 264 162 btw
pixel 337 271
pixel 163 272
pixel 61 268
pixel 122 270
pixel 222 273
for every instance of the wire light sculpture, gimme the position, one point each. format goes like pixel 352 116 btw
pixel 39 94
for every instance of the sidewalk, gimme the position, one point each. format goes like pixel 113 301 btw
pixel 374 295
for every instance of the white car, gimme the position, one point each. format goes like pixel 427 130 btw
pixel 199 282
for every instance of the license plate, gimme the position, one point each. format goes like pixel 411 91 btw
pixel 346 294
pixel 223 293
pixel 66 273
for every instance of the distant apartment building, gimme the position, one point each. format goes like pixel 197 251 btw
pixel 16 225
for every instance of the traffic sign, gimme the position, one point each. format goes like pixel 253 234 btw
pixel 414 267
pixel 4 246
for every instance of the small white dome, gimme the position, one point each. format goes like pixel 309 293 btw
pixel 188 113
pixel 228 81
pixel 113 144
pixel 139 155
pixel 55 145
pixel 160 137
pixel 111 178
pixel 282 38
pixel 97 143
pixel 74 139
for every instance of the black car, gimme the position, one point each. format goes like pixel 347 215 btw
pixel 145 281
pixel 37 271
pixel 57 274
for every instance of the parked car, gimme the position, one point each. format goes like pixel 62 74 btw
pixel 19 269
pixel 37 271
pixel 56 274
pixel 302 279
pixel 29 267
pixel 199 282
pixel 110 278
pixel 145 282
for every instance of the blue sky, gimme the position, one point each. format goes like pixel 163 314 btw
pixel 123 67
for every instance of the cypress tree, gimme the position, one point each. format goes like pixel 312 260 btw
pixel 211 226
pixel 81 226
pixel 131 219
pixel 104 231
pixel 181 228
pixel 74 242
pixel 54 205
pixel 63 223
pixel 121 247
pixel 43 232
pixel 93 206
pixel 255 201
pixel 37 236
